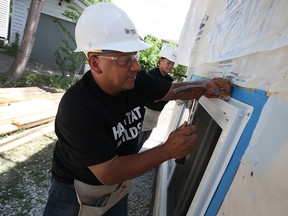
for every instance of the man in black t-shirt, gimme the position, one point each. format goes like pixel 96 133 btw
pixel 153 109
pixel 99 119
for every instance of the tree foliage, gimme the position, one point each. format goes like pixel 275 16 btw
pixel 149 58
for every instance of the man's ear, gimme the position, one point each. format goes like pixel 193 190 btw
pixel 94 64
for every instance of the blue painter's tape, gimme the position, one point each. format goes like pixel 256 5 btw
pixel 257 99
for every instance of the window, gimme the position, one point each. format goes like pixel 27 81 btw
pixel 190 186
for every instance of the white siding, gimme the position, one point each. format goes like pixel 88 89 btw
pixel 4 18
pixel 18 21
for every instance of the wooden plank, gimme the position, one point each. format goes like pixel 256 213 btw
pixel 8 128
pixel 25 136
pixel 36 123
pixel 20 96
pixel 9 95
pixel 53 97
pixel 39 109
pixel 21 89
pixel 24 108
pixel 34 117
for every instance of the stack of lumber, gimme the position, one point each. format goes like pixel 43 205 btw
pixel 29 111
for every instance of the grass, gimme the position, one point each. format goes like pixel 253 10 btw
pixel 53 82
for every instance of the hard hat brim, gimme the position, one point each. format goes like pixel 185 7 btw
pixel 128 46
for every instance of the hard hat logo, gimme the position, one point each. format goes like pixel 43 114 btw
pixel 104 26
pixel 130 31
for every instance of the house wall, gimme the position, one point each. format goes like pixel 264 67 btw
pixel 48 35
pixel 49 38
pixel 247 42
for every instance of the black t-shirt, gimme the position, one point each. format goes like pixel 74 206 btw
pixel 93 127
pixel 158 106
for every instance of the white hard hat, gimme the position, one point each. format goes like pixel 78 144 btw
pixel 169 53
pixel 104 26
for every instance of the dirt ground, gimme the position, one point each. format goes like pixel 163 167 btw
pixel 25 178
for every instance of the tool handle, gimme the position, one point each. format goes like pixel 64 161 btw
pixel 180 161
pixel 192 109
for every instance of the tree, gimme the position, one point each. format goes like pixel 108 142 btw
pixel 149 58
pixel 23 54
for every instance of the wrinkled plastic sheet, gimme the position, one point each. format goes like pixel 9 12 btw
pixel 245 40
pixel 219 30
pixel 260 185
pixel 267 71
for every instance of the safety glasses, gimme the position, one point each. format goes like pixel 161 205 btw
pixel 125 60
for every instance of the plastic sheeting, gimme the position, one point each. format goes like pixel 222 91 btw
pixel 267 71
pixel 246 40
pixel 260 185
pixel 220 30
